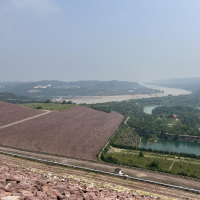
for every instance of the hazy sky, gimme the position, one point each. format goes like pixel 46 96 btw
pixel 134 40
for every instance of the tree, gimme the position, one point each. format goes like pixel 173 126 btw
pixel 154 165
pixel 64 102
pixel 141 154
pixel 48 101
pixel 39 107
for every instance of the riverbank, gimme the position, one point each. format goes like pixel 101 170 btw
pixel 169 91
pixel 104 99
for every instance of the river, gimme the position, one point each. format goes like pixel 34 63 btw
pixel 167 91
pixel 104 99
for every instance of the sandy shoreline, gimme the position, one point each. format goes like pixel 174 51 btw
pixel 103 99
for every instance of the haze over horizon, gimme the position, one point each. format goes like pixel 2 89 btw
pixel 99 40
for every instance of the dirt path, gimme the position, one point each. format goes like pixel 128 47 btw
pixel 14 123
pixel 171 165
pixel 134 172
pixel 126 120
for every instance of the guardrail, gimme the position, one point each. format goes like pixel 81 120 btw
pixel 99 171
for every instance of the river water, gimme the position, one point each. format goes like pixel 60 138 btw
pixel 172 145
pixel 104 99
pixel 167 91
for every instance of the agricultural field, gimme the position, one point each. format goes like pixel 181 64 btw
pixel 79 132
pixel 10 113
pixel 154 161
pixel 49 106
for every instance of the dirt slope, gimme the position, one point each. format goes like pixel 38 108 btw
pixel 10 113
pixel 78 132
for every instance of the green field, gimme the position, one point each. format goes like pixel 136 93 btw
pixel 125 137
pixel 49 106
pixel 165 163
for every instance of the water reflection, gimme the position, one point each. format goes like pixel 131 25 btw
pixel 171 145
pixel 148 109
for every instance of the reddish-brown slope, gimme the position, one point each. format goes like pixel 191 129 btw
pixel 79 132
pixel 10 113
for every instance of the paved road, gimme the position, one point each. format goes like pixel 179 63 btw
pixel 134 172
pixel 23 120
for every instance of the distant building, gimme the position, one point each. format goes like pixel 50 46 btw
pixel 118 171
pixel 174 117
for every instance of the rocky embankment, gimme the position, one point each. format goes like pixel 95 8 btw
pixel 21 184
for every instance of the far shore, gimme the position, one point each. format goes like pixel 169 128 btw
pixel 103 99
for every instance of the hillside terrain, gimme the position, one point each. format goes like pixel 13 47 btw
pixel 53 89
pixel 10 113
pixel 77 132
pixel 124 146
pixel 13 98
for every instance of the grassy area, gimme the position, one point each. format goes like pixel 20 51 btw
pixel 166 163
pixel 133 159
pixel 186 169
pixel 49 106
pixel 125 137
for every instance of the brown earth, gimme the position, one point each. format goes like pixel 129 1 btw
pixel 22 184
pixel 10 113
pixel 79 132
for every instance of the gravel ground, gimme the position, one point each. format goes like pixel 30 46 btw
pixel 29 183
pixel 79 132
pixel 10 113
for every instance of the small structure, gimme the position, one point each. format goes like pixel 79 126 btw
pixel 118 171
pixel 174 117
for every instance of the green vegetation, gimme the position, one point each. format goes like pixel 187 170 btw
pixel 124 146
pixel 49 106
pixel 125 137
pixel 12 98
pixel 160 122
pixel 141 154
pixel 186 169
pixel 134 160
pixel 154 161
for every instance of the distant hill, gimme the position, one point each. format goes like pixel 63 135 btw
pixel 12 98
pixel 49 89
pixel 191 84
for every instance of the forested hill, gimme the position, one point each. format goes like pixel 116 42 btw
pixel 12 98
pixel 50 89
pixel 191 84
